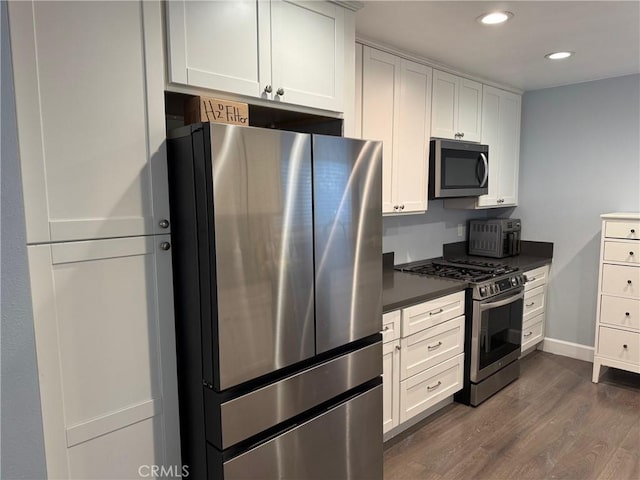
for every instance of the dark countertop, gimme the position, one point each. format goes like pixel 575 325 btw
pixel 401 289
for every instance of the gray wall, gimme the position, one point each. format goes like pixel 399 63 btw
pixel 416 237
pixel 579 158
pixel 22 444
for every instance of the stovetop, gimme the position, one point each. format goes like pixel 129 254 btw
pixel 488 278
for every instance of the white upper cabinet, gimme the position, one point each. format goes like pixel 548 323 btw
pixel 457 107
pixel 90 112
pixel 396 106
pixel 501 131
pixel 282 50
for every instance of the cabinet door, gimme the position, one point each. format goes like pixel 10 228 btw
pixel 509 148
pixel 221 45
pixel 469 110
pixel 307 53
pixel 411 137
pixel 104 331
pixel 90 111
pixel 501 131
pixel 390 385
pixel 380 95
pixel 445 105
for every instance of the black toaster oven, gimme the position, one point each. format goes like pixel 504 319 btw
pixel 496 237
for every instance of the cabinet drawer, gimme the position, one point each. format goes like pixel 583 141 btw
pixel 390 326
pixel 622 229
pixel 621 280
pixel 433 312
pixel 619 344
pixel 431 346
pixel 624 312
pixel 622 252
pixel 429 387
pixel 534 301
pixel 536 277
pixel 532 332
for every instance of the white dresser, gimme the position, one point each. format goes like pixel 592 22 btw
pixel 617 342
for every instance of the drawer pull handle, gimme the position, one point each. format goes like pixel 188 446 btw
pixel 435 386
pixel 624 346
pixel 436 312
pixel 628 282
pixel 528 334
pixel 398 347
pixel 530 304
pixel 386 327
pixel 530 279
pixel 627 314
pixel 433 347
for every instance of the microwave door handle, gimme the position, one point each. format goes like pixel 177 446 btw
pixel 501 303
pixel 486 170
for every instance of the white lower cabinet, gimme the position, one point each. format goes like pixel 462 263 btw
pixel 103 321
pixel 423 361
pixel 534 314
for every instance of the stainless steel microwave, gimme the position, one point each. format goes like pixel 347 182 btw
pixel 458 169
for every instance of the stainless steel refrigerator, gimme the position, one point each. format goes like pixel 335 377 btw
pixel 277 247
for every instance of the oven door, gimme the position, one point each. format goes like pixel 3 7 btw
pixel 496 333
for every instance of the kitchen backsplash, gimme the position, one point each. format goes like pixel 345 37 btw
pixel 415 237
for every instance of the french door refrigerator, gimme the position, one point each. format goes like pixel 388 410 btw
pixel 277 247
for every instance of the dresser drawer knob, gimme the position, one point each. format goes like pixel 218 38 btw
pixel 631 254
pixel 624 346
pixel 628 282
pixel 627 314
pixel 633 230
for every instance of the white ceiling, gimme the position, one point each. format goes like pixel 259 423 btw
pixel 605 36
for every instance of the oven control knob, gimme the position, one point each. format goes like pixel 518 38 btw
pixel 483 291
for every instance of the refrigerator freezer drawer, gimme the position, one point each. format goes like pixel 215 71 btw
pixel 268 406
pixel 344 442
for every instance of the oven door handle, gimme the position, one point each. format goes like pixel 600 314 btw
pixel 501 303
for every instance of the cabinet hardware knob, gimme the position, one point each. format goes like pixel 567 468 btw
pixel 280 91
pixel 402 207
pixel 435 386
pixel 528 334
pixel 530 304
pixel 628 282
pixel 436 312
pixel 624 346
pixel 164 223
pixel 530 279
pixel 627 314
pixel 386 327
pixel 268 89
pixel 433 347
pixel 461 134
pixel 395 207
pixel 397 347
pixel 631 254
pixel 165 246
pixel 633 230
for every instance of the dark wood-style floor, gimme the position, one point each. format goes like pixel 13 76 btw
pixel 552 423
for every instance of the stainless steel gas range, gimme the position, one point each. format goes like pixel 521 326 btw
pixel 493 323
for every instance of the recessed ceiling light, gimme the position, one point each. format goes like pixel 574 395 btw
pixel 558 55
pixel 494 18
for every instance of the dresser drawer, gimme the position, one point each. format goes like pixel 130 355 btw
pixel 622 229
pixel 622 252
pixel 532 332
pixel 621 280
pixel 425 389
pixel 431 346
pixel 619 344
pixel 534 301
pixel 623 312
pixel 390 326
pixel 536 277
pixel 428 314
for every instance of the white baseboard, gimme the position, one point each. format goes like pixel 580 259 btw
pixel 568 349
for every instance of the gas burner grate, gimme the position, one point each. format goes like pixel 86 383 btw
pixel 472 271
